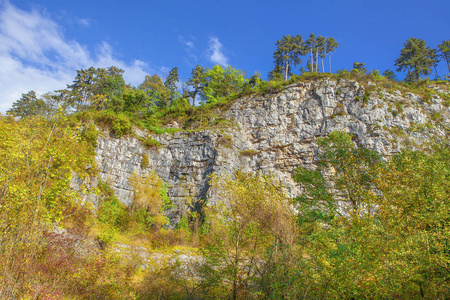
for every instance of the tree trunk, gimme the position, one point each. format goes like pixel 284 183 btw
pixel 312 61
pixel 329 60
pixel 286 68
pixel 317 60
pixel 321 59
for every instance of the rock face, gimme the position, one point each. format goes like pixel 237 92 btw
pixel 272 134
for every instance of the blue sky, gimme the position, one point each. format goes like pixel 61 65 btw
pixel 43 42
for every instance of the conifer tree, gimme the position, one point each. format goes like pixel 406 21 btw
pixel 311 46
pixel 196 82
pixel 320 51
pixel 171 85
pixel 289 50
pixel 330 46
pixel 416 58
pixel 27 105
pixel 444 52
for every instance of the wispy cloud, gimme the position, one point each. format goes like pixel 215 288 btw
pixel 215 52
pixel 190 58
pixel 35 55
pixel 187 43
pixel 83 22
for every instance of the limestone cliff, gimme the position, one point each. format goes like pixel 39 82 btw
pixel 275 134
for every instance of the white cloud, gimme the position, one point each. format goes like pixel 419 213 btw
pixel 187 43
pixel 215 54
pixel 35 55
pixel 83 22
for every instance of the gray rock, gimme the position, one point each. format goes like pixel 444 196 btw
pixel 280 129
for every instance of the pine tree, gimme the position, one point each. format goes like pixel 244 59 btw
pixel 311 46
pixel 320 52
pixel 444 52
pixel 27 105
pixel 416 58
pixel 196 82
pixel 289 50
pixel 330 46
pixel 171 85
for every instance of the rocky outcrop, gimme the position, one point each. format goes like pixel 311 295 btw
pixel 272 134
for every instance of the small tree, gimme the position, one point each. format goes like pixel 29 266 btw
pixel 360 67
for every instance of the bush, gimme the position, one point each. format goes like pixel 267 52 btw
pixel 90 135
pixel 119 123
pixel 145 161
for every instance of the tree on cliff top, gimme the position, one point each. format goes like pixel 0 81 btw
pixel 289 50
pixel 416 58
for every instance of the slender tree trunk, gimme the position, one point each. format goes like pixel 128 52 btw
pixel 329 61
pixel 317 60
pixel 286 68
pixel 312 62
pixel 321 59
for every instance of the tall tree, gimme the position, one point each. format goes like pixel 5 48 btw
pixel 416 58
pixel 330 46
pixel 320 51
pixel 196 82
pixel 289 50
pixel 171 85
pixel 311 46
pixel 444 52
pixel 155 90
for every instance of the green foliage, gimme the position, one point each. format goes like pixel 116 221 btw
pixel 360 67
pixel 196 82
pixel 389 74
pixel 444 52
pixel 90 134
pixel 289 50
pixel 220 83
pixel 151 143
pixel 28 105
pixel 416 58
pixel 119 123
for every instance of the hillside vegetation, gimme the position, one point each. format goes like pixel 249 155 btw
pixel 365 226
